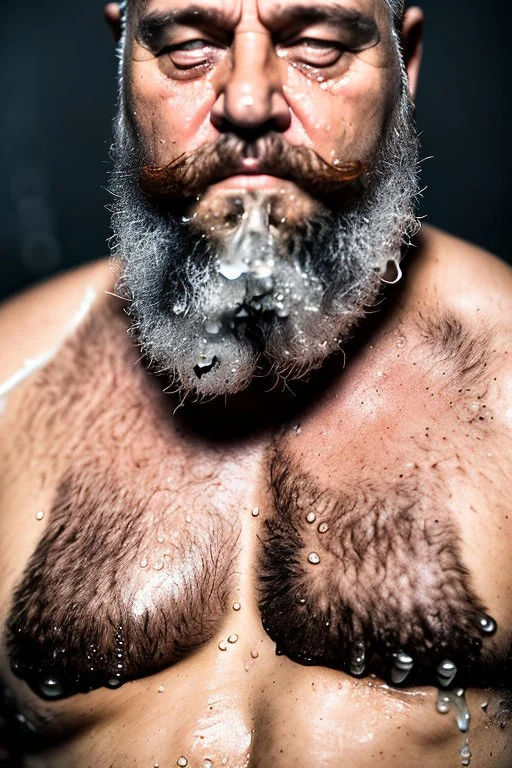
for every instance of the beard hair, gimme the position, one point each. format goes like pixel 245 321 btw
pixel 212 334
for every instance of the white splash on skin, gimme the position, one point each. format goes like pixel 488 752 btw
pixel 33 364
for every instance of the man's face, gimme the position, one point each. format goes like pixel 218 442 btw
pixel 254 139
pixel 325 75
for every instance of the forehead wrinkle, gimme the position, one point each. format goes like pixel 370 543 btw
pixel 268 9
pixel 195 13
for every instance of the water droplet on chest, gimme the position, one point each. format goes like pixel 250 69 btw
pixel 51 688
pixel 456 699
pixel 487 625
pixel 465 754
pixel 446 673
pixel 402 667
pixel 357 659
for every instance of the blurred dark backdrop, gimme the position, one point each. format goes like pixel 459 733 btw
pixel 57 91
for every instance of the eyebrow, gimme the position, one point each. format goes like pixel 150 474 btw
pixel 152 29
pixel 363 28
pixel 359 24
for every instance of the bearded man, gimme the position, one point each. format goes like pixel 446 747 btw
pixel 268 527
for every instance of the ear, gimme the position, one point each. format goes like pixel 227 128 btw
pixel 112 14
pixel 412 42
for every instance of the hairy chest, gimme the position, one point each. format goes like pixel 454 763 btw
pixel 363 550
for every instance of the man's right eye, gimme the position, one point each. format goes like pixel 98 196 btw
pixel 192 53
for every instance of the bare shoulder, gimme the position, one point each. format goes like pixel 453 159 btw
pixel 36 321
pixel 463 297
pixel 466 279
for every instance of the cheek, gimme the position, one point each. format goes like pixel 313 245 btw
pixel 170 118
pixel 344 118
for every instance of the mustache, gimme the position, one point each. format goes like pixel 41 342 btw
pixel 191 173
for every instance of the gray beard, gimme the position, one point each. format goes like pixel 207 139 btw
pixel 263 300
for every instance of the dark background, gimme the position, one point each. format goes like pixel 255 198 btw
pixel 57 94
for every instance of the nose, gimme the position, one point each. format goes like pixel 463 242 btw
pixel 251 98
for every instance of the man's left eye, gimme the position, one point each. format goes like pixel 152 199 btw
pixel 314 52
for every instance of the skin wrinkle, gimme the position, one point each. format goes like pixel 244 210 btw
pixel 389 576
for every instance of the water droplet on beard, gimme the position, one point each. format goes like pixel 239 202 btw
pixel 212 327
pixel 232 271
pixel 51 688
pixel 40 515
pixel 179 308
pixel 402 667
pixel 114 682
pixel 188 519
pixel 255 511
pixel 457 700
pixel 323 528
pixel 233 639
pixel 314 558
pixel 446 673
pixel 207 764
pixel 144 562
pixel 236 606
pixel 182 762
pixel 311 517
pixel 158 565
pixel 223 646
pixel 487 625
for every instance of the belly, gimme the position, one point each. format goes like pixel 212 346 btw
pixel 246 708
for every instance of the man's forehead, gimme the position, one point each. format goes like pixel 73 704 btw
pixel 264 8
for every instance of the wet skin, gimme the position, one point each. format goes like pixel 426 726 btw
pixel 160 513
pixel 148 538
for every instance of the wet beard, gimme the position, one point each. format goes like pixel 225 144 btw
pixel 217 300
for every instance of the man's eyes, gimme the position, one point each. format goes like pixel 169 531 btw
pixel 307 51
pixel 192 53
pixel 313 52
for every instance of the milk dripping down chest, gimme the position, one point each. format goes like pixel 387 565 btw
pixel 359 550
